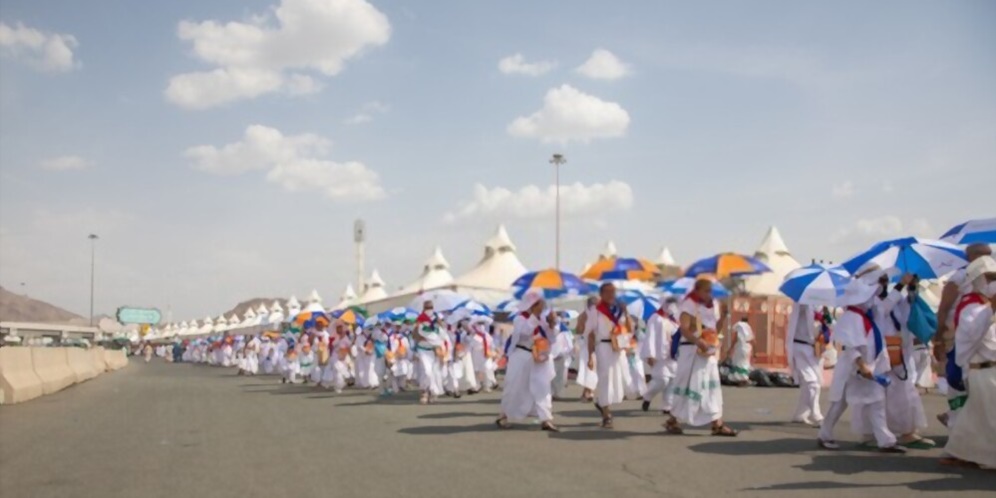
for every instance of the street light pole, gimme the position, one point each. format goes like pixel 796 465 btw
pixel 557 160
pixel 93 251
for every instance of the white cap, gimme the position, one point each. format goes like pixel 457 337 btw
pixel 981 266
pixel 857 292
pixel 531 297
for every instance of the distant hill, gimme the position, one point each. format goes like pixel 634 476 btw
pixel 18 308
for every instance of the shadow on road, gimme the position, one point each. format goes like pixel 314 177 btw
pixel 447 430
pixel 848 464
pixel 742 447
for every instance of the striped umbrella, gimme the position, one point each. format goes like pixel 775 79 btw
pixel 639 304
pixel 398 314
pixel 508 306
pixel 817 284
pixel 683 286
pixel 474 307
pixel 553 283
pixel 925 258
pixel 972 232
pixel 726 265
pixel 349 316
pixel 311 316
pixel 622 269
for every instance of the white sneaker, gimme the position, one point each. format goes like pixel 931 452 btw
pixel 828 445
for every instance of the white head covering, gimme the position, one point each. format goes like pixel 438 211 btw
pixel 979 268
pixel 858 292
pixel 532 297
pixel 871 272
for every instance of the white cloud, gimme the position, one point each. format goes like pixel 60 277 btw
pixel 516 64
pixel 296 163
pixel 45 51
pixel 843 190
pixel 367 112
pixel 881 228
pixel 253 56
pixel 65 163
pixel 570 115
pixel 604 65
pixel 531 202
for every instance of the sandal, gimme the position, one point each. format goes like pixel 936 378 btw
pixel 672 427
pixel 503 424
pixel 549 427
pixel 724 430
pixel 607 423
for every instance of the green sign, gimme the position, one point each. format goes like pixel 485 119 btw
pixel 150 316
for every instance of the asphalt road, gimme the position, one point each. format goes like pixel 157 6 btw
pixel 182 430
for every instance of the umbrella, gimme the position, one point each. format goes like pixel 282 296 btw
pixel 398 314
pixel 553 283
pixel 925 258
pixel 817 284
pixel 640 304
pixel 622 269
pixel 349 316
pixel 569 314
pixel 683 286
pixel 474 307
pixel 726 265
pixel 442 299
pixel 311 316
pixel 972 232
pixel 508 306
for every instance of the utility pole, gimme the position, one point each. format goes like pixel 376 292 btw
pixel 93 258
pixel 557 161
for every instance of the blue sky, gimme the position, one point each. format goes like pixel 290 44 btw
pixel 841 123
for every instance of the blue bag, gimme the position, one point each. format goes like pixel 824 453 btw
pixel 923 321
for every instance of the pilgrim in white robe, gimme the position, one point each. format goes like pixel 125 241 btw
pixel 698 397
pixel 656 351
pixel 528 383
pixel 743 351
pixel 610 365
pixel 806 368
pixel 973 438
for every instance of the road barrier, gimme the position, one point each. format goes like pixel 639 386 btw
pixel 81 361
pixel 52 367
pixel 18 380
pixel 29 372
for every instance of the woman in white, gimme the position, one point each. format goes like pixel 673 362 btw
pixel 698 398
pixel 804 364
pixel 587 378
pixel 483 352
pixel 742 352
pixel 529 371
pixel 462 369
pixel 973 438
pixel 428 339
pixel 606 354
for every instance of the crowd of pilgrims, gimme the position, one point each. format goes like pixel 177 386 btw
pixel 671 360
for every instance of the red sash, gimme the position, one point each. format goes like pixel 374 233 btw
pixel 660 311
pixel 604 309
pixel 864 318
pixel 966 301
pixel 484 339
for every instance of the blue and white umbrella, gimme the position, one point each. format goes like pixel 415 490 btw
pixel 684 285
pixel 474 307
pixel 568 314
pixel 398 314
pixel 972 232
pixel 816 285
pixel 925 258
pixel 508 306
pixel 639 304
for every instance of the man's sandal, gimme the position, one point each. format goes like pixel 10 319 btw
pixel 724 430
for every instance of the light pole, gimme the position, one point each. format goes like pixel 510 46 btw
pixel 557 160
pixel 93 251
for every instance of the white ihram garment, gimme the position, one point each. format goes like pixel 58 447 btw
pixel 698 397
pixel 742 352
pixel 903 406
pixel 586 378
pixel 430 375
pixel 973 438
pixel 611 365
pixel 657 346
pixel 527 390
pixel 806 368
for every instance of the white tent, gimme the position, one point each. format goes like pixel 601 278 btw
pixel 435 274
pixel 207 327
pixel 276 314
pixel 665 258
pixel 293 308
pixel 609 251
pixel 496 271
pixel 233 321
pixel 375 290
pixel 220 324
pixel 347 298
pixel 776 255
pixel 314 297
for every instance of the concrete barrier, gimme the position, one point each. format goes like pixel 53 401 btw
pixel 98 360
pixel 18 381
pixel 116 359
pixel 81 362
pixel 51 365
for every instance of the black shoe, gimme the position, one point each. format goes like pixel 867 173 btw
pixel 646 405
pixel 549 427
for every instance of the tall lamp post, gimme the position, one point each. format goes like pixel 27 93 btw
pixel 558 160
pixel 93 251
